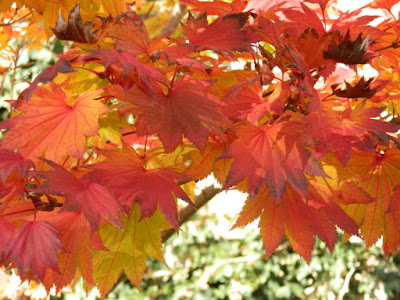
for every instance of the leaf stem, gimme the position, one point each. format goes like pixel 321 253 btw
pixel 394 45
pixel 21 211
pixel 11 22
pixel 173 77
pixel 145 146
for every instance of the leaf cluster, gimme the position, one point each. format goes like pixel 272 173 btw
pixel 102 143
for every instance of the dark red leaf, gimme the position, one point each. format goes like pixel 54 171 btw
pixel 124 174
pixel 349 52
pixel 83 194
pixel 360 90
pixel 34 248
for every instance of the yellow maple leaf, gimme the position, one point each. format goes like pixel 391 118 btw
pixel 128 249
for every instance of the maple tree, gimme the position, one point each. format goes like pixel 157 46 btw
pixel 102 143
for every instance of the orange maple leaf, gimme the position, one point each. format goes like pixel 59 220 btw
pixel 78 241
pixel 379 174
pixel 50 126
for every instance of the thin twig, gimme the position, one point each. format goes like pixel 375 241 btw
pixel 13 22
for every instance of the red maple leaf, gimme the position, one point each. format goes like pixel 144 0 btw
pixel 341 131
pixel 133 71
pixel 186 110
pixel 124 174
pixel 291 214
pixel 385 4
pixel 81 194
pixel 13 168
pixel 7 233
pixel 34 248
pixel 11 162
pixel 208 36
pixel 273 154
pixel 219 8
pixel 131 34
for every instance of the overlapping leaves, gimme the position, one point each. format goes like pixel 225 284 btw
pixel 90 198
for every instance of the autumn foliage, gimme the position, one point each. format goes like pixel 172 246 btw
pixel 271 97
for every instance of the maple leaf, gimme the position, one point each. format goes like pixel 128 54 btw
pixel 50 124
pixel 244 99
pixel 277 133
pixel 304 19
pixel 5 5
pixel 13 168
pixel 202 163
pixel 391 235
pixel 131 34
pixel 11 162
pixel 360 90
pixel 78 242
pixel 141 73
pixel 114 7
pixel 385 4
pixel 270 154
pixel 219 8
pixel 325 198
pixel 275 103
pixel 61 66
pixel 75 29
pixel 322 3
pixel 261 7
pixel 208 36
pixel 349 52
pixel 43 242
pixel 7 233
pixel 128 249
pixel 151 188
pixel 272 222
pixel 314 56
pixel 380 172
pixel 186 110
pixel 297 215
pixel 81 194
pixel 286 218
pixel 342 130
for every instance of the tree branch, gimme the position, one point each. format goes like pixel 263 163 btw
pixel 186 213
pixel 179 11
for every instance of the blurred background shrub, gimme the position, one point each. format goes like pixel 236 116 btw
pixel 205 264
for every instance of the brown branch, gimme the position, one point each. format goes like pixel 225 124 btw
pixel 179 12
pixel 186 213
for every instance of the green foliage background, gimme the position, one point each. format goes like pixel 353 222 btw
pixel 203 266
